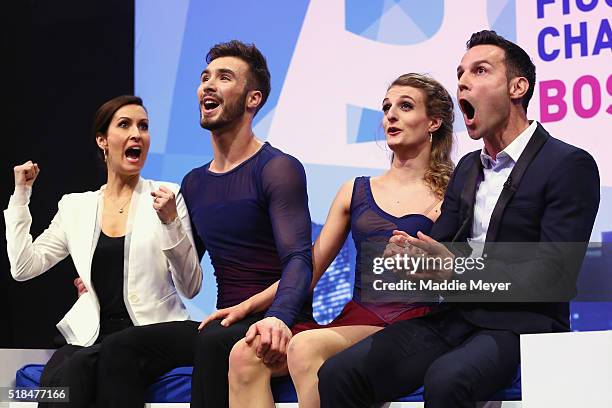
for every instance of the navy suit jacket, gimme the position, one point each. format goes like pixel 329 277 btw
pixel 556 201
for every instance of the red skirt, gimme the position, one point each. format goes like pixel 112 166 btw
pixel 355 314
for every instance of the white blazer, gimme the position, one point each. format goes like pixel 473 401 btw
pixel 159 259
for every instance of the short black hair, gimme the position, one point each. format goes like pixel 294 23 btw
pixel 518 62
pixel 259 74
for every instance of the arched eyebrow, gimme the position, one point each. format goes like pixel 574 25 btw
pixel 131 119
pixel 219 71
pixel 226 71
pixel 401 97
pixel 407 97
pixel 461 69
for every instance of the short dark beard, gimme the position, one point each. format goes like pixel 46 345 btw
pixel 232 111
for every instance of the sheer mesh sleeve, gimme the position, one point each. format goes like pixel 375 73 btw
pixel 284 187
pixel 186 187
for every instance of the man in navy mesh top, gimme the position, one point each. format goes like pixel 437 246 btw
pixel 249 210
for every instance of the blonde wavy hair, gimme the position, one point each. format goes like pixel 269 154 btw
pixel 439 105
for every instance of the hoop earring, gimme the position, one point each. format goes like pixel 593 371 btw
pixel 430 138
pixel 105 155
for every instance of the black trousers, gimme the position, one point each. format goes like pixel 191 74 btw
pixel 133 359
pixel 75 367
pixel 458 363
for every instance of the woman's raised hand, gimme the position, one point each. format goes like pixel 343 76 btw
pixel 164 203
pixel 26 173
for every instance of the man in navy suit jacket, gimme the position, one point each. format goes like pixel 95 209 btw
pixel 522 186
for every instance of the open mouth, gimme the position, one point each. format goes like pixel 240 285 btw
pixel 468 109
pixel 392 131
pixel 210 105
pixel 133 153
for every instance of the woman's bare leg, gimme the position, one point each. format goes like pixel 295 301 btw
pixel 308 351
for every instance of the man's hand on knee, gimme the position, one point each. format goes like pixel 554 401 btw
pixel 274 338
pixel 228 315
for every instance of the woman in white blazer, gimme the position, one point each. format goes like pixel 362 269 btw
pixel 130 241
